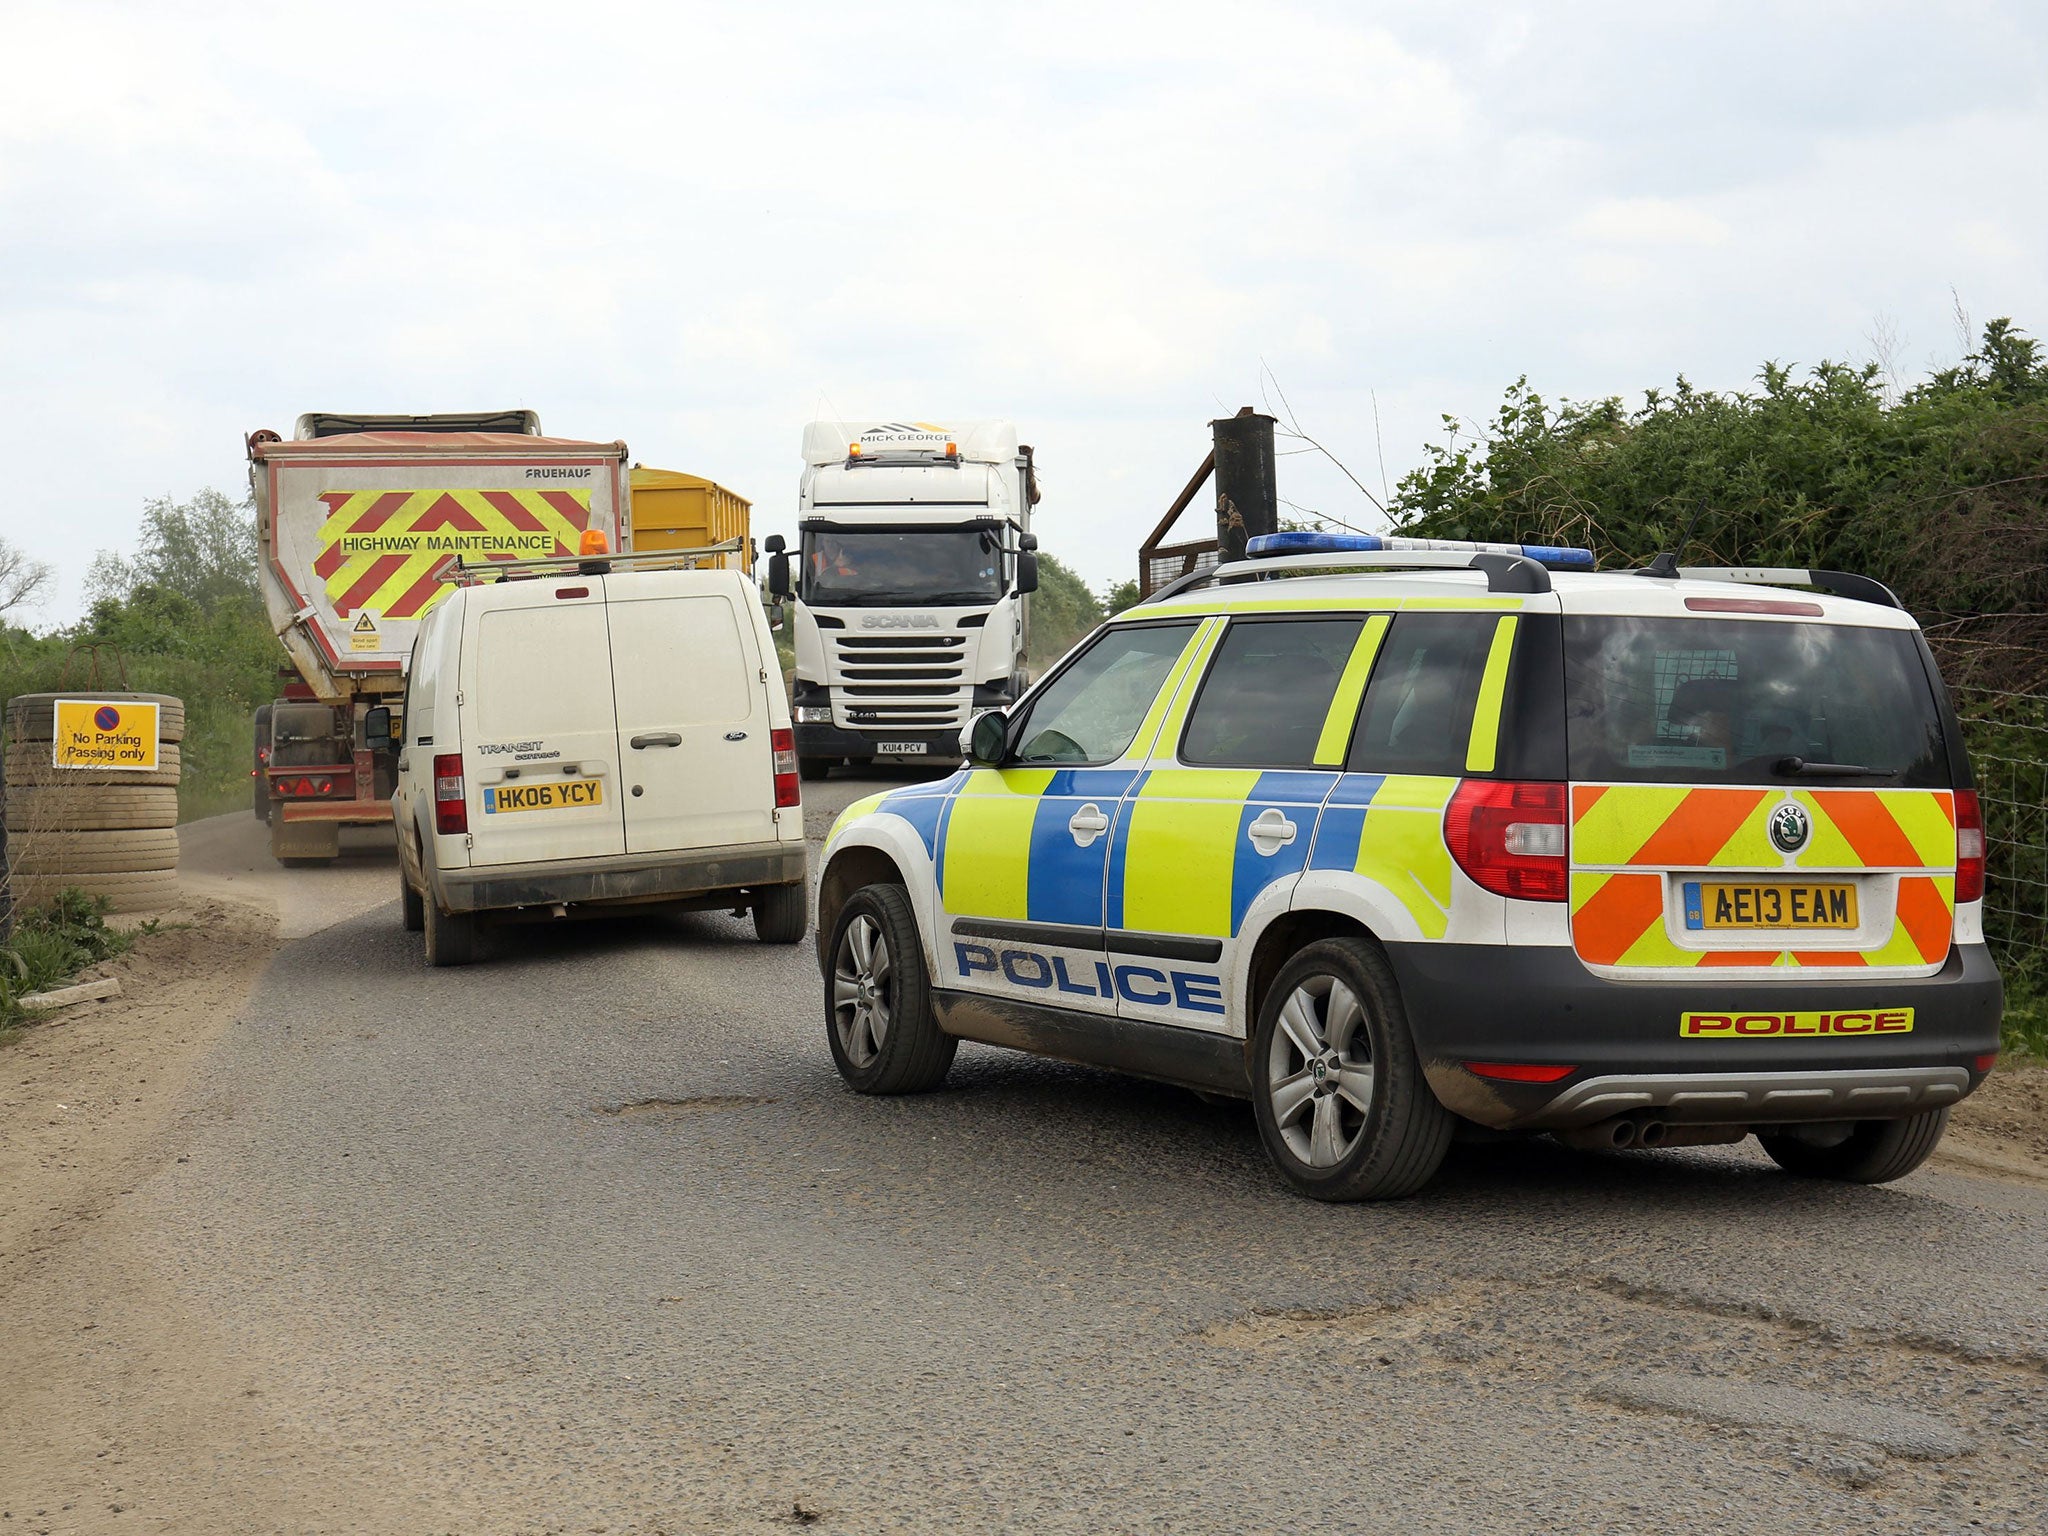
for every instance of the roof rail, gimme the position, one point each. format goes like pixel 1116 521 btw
pixel 1504 572
pixel 1863 589
pixel 465 574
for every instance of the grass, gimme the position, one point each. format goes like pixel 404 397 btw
pixel 2026 1003
pixel 49 946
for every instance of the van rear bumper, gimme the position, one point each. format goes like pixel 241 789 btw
pixel 1529 1006
pixel 632 877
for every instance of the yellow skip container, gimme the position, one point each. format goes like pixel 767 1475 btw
pixel 672 510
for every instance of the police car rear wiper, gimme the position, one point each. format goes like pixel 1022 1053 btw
pixel 1799 767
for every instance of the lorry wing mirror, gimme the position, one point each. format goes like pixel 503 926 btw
pixel 986 740
pixel 775 544
pixel 377 725
pixel 1027 572
pixel 778 572
pixel 1027 541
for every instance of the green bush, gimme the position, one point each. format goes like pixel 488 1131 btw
pixel 52 944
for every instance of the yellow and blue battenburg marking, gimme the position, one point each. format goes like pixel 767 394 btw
pixel 1389 828
pixel 1182 859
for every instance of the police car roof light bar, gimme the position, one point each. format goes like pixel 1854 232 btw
pixel 1504 572
pixel 1556 556
pixel 463 573
pixel 1862 589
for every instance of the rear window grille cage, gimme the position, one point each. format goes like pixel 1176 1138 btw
pixel 1674 667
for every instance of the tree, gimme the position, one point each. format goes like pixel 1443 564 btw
pixel 203 549
pixel 1119 595
pixel 1062 611
pixel 22 579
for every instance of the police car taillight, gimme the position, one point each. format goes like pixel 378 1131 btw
pixel 784 745
pixel 1969 846
pixel 451 804
pixel 1509 837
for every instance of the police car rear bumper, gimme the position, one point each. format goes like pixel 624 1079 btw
pixel 626 878
pixel 1541 1007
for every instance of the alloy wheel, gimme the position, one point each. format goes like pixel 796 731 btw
pixel 862 976
pixel 1319 1072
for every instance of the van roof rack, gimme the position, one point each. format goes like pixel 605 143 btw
pixel 465 573
pixel 1862 589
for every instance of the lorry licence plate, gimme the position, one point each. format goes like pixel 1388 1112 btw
pixel 559 796
pixel 900 748
pixel 1728 904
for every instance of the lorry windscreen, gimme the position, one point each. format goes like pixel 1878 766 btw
pixel 1732 701
pixel 879 568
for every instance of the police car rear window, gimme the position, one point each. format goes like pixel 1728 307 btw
pixel 1729 701
pixel 1264 701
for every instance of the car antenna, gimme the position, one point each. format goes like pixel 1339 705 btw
pixel 1665 565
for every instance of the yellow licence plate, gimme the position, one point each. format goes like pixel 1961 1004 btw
pixel 1711 904
pixel 560 796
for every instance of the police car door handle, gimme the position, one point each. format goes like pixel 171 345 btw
pixel 658 739
pixel 1087 824
pixel 1271 832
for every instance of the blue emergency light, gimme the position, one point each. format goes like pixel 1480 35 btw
pixel 1268 544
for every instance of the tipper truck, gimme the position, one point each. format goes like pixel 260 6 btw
pixel 914 559
pixel 354 516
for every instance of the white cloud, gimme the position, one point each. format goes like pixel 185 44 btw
pixel 694 227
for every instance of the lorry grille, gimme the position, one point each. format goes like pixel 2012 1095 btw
pixel 885 683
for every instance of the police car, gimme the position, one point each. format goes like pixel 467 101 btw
pixel 1424 837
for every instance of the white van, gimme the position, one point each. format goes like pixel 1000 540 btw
pixel 596 738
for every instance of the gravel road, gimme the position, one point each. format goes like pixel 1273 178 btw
pixel 590 1238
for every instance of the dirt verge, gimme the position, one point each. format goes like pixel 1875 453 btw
pixel 2001 1130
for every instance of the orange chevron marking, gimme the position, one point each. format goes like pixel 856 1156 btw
pixel 1925 916
pixel 1615 917
pixel 1699 828
pixel 1869 828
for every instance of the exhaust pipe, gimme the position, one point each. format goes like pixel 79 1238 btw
pixel 1616 1135
pixel 1653 1133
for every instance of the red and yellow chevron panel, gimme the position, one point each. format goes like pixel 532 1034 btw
pixel 1627 837
pixel 378 549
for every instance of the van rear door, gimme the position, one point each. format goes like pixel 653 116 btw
pixel 540 747
pixel 693 721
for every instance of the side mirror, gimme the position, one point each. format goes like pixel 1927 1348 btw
pixel 1027 541
pixel 1027 572
pixel 775 544
pixel 986 740
pixel 778 571
pixel 377 726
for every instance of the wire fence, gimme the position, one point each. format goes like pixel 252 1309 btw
pixel 2007 734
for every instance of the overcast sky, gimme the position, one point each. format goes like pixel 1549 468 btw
pixel 696 227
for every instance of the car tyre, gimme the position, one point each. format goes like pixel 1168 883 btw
pixel 879 1021
pixel 812 769
pixel 1337 1087
pixel 412 907
pixel 782 913
pixel 1875 1152
pixel 451 936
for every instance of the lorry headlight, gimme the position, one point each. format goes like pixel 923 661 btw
pixel 814 714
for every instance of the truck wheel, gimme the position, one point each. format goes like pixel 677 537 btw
pixel 815 768
pixel 782 914
pixel 451 936
pixel 878 1003
pixel 412 907
pixel 1875 1152
pixel 1342 1104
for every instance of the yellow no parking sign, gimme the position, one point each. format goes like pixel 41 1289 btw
pixel 105 734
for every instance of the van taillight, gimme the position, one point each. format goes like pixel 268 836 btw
pixel 451 806
pixel 1508 837
pixel 1969 846
pixel 784 745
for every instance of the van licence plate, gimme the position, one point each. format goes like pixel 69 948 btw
pixel 1722 904
pixel 560 796
pixel 900 748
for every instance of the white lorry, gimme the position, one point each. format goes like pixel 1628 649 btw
pixel 907 600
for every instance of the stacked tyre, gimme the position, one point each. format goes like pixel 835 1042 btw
pixel 106 832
